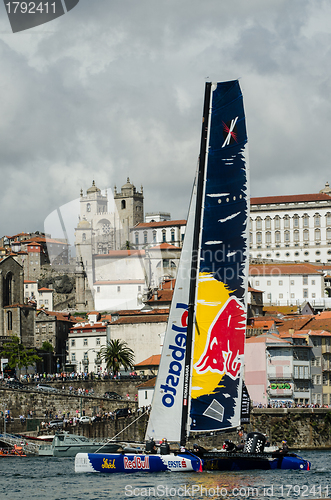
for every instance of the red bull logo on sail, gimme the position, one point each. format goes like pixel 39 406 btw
pixel 225 341
pixel 177 350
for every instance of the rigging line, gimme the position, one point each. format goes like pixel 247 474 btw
pixel 111 439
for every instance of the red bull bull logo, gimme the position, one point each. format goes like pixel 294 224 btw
pixel 177 351
pixel 225 341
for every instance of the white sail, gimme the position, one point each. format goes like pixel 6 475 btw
pixel 166 414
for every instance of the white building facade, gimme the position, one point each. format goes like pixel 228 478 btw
pixel 291 228
pixel 289 284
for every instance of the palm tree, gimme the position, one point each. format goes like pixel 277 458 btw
pixel 117 353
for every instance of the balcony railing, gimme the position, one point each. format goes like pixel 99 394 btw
pixel 286 376
pixel 280 392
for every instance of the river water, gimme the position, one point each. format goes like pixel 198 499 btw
pixel 46 478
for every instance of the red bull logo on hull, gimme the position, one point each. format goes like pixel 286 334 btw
pixel 225 341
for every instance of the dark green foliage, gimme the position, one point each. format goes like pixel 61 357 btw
pixel 47 346
pixel 19 355
pixel 116 354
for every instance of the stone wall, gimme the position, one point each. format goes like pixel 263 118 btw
pixel 303 428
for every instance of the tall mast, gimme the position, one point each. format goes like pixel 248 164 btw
pixel 195 260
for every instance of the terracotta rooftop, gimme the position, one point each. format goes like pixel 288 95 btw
pixel 161 318
pixel 181 222
pixel 276 269
pixel 164 246
pixel 266 338
pixel 122 254
pixel 296 198
pixel 59 315
pixel 162 296
pixel 250 289
pixel 151 361
pixel 297 323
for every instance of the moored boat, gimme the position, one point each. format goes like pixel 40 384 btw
pixel 68 445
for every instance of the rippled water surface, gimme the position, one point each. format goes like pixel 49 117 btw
pixel 54 479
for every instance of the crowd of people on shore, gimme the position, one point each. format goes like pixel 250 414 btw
pixel 36 378
pixel 288 404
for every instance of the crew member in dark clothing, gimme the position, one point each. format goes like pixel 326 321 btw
pixel 164 448
pixel 198 450
pixel 150 446
pixel 284 448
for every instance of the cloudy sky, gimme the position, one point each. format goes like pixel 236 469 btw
pixel 114 88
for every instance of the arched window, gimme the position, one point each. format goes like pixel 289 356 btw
pixel 306 220
pixel 295 221
pixel 277 236
pixel 317 220
pixel 123 204
pixel 154 236
pixel 296 236
pixel 268 223
pixel 268 237
pixel 287 236
pixel 84 237
pixel 172 235
pixel 88 207
pixel 286 222
pixel 136 236
pixel 277 222
pixel 8 289
pixel 306 235
pixel 317 235
pixel 258 238
pixel 328 234
pixel 258 223
pixel 328 219
pixel 145 237
pixel 164 236
pixel 9 320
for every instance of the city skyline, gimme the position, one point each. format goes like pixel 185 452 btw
pixel 108 92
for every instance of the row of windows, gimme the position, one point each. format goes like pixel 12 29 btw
pixel 164 237
pixel 119 288
pixel 287 236
pixel 292 282
pixel 85 342
pixel 305 295
pixel 287 221
pixel 296 254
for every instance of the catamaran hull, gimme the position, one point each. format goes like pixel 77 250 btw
pixel 232 462
pixel 116 462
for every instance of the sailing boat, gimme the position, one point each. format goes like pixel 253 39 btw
pixel 199 383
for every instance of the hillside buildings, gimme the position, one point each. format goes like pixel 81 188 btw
pixel 289 368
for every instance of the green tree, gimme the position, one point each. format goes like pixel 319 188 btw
pixel 18 355
pixel 116 354
pixel 47 346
